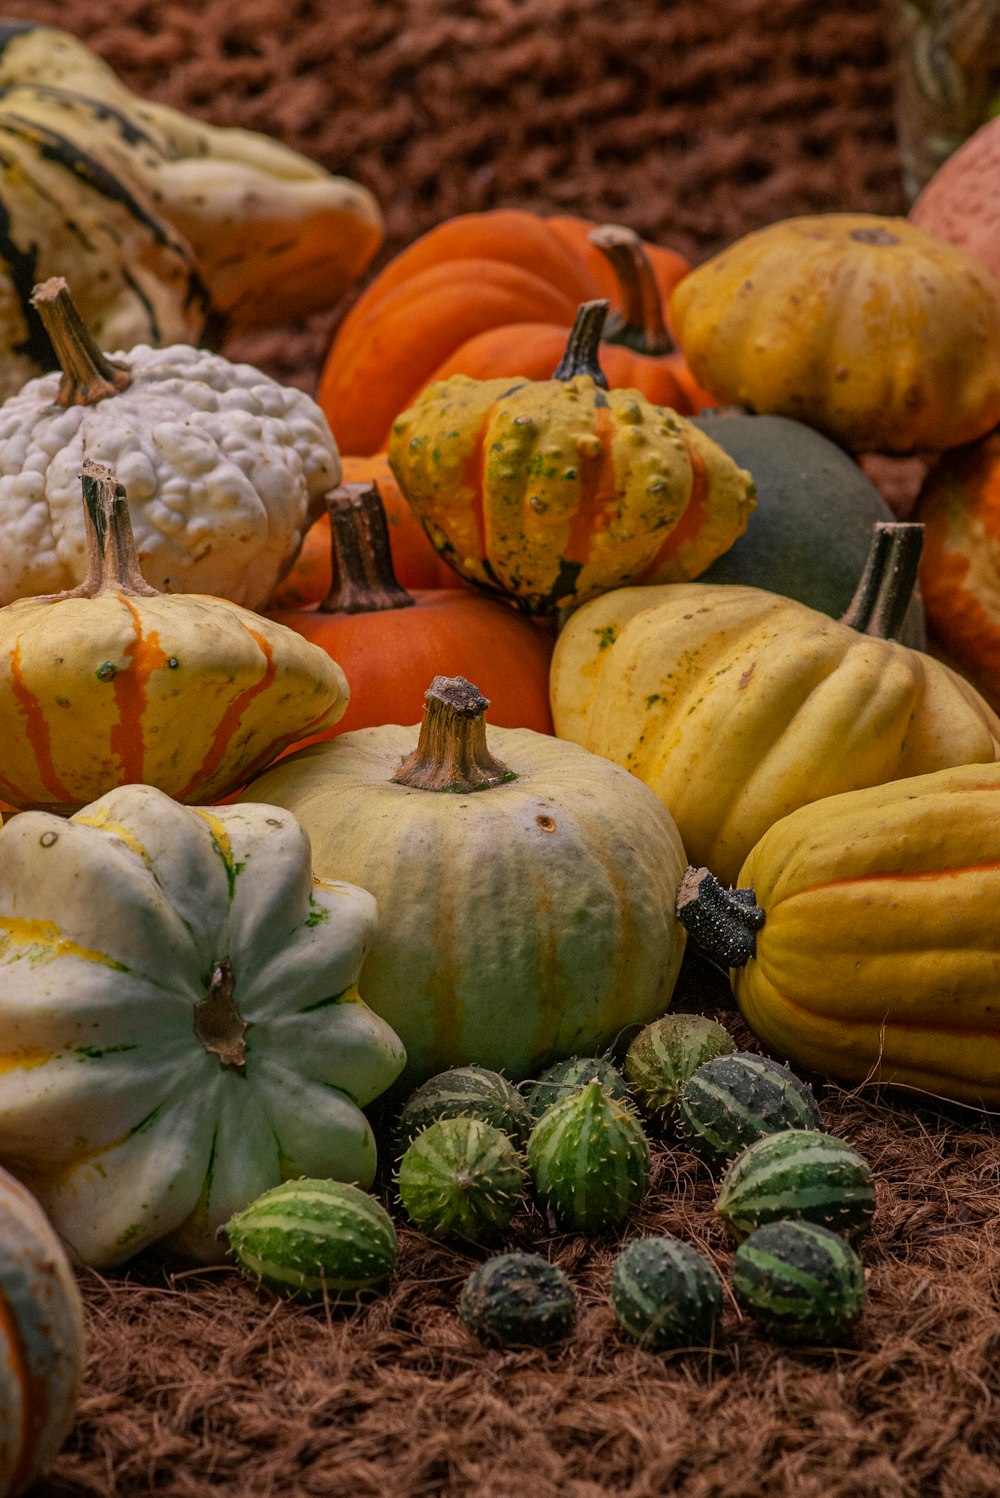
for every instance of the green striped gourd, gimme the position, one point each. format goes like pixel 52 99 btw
pixel 665 1294
pixel 466 1092
pixel 801 1174
pixel 461 1178
pixel 312 1238
pixel 589 1160
pixel 557 1082
pixel 662 1057
pixel 730 1101
pixel 800 1282
pixel 518 1300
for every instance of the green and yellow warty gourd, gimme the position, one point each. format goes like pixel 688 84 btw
pixel 526 903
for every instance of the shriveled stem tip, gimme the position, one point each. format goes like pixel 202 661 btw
pixel 724 922
pixel 88 374
pixel 452 753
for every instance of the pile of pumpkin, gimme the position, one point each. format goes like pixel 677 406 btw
pixel 244 892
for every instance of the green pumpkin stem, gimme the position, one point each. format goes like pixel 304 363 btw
pixel 580 356
pixel 451 752
pixel 886 587
pixel 112 562
pixel 638 323
pixel 364 581
pixel 723 921
pixel 88 376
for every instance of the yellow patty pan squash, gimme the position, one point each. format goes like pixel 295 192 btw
pixel 551 491
pixel 526 888
pixel 180 1021
pixel 862 937
pixel 736 705
pixel 871 330
pixel 112 682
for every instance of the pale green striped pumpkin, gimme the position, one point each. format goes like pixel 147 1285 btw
pixel 313 1237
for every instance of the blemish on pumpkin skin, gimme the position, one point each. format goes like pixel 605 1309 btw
pixel 745 678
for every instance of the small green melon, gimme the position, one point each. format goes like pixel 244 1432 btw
pixel 801 1174
pixel 566 1077
pixel 730 1101
pixel 800 1282
pixel 665 1294
pixel 461 1178
pixel 662 1057
pixel 589 1160
pixel 311 1238
pixel 470 1092
pixel 518 1300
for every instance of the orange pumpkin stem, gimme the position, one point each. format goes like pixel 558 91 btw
pixel 724 922
pixel 451 752
pixel 580 356
pixel 638 324
pixel 112 562
pixel 883 594
pixel 364 581
pixel 88 375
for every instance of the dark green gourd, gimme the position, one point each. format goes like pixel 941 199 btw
pixel 665 1294
pixel 461 1178
pixel 800 1282
pixel 557 1082
pixel 664 1055
pixel 518 1300
pixel 799 1174
pixel 589 1160
pixel 730 1101
pixel 465 1092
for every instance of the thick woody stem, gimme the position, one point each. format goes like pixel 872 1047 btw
pixel 451 752
pixel 580 356
pixel 111 556
pixel 638 324
pixel 883 594
pixel 724 922
pixel 364 579
pixel 88 375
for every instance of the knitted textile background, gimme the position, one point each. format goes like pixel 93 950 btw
pixel 691 121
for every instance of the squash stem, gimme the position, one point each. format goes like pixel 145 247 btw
pixel 451 752
pixel 885 589
pixel 364 581
pixel 88 376
pixel 580 354
pixel 638 323
pixel 112 562
pixel 723 921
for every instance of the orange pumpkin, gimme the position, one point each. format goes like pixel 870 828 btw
pixel 492 295
pixel 390 642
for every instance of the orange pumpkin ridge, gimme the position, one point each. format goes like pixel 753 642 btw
pixel 127 739
pixel 230 719
pixel 37 729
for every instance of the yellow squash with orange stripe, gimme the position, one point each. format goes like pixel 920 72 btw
pixel 553 491
pixel 113 683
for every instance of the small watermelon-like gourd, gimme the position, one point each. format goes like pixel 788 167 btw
pixel 518 1300
pixel 800 1282
pixel 801 1174
pixel 566 1077
pixel 732 1100
pixel 466 1092
pixel 665 1294
pixel 589 1160
pixel 314 1238
pixel 461 1178
pixel 662 1057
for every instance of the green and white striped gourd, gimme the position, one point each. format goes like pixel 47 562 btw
pixel 466 1092
pixel 518 1300
pixel 461 1178
pixel 730 1101
pixel 799 1174
pixel 312 1238
pixel 662 1057
pixel 557 1082
pixel 665 1294
pixel 800 1282
pixel 589 1160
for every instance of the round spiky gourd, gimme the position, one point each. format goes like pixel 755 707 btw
pixel 799 1174
pixel 461 1178
pixel 466 1092
pixel 566 1077
pixel 665 1293
pixel 730 1101
pixel 589 1160
pixel 800 1282
pixel 313 1238
pixel 662 1057
pixel 517 1300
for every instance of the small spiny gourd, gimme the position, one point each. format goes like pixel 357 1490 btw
pixel 800 1282
pixel 518 1300
pixel 566 1077
pixel 662 1057
pixel 589 1160
pixel 467 1092
pixel 461 1178
pixel 665 1294
pixel 800 1174
pixel 730 1101
pixel 312 1238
